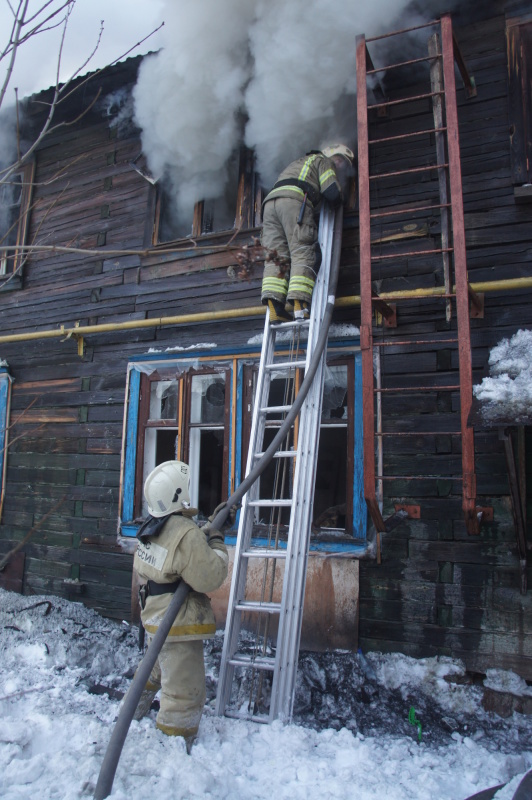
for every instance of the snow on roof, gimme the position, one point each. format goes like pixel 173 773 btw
pixel 507 394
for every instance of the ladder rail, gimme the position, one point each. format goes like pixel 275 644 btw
pixel 442 54
pixel 289 633
pixel 316 348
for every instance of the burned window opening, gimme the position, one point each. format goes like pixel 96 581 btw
pixel 15 198
pixel 519 42
pixel 234 208
pixel 333 497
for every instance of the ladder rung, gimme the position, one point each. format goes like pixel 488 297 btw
pixel 274 409
pixel 411 210
pixel 420 433
pixel 256 605
pixel 250 717
pixel 393 389
pixel 263 552
pixel 286 365
pixel 257 662
pixel 419 478
pixel 412 342
pixel 403 64
pixel 406 100
pixel 411 135
pixel 398 256
pixel 272 503
pixel 410 171
pixel 430 24
pixel 292 323
pixel 280 454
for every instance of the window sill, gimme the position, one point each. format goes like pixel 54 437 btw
pixel 10 284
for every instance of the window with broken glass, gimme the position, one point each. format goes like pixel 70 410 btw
pixel 203 416
pixel 238 207
pixel 333 496
pixel 184 417
pixel 15 196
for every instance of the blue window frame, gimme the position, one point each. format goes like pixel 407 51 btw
pixel 5 397
pixel 236 366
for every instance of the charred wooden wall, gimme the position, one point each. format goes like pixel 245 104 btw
pixel 63 464
pixel 438 590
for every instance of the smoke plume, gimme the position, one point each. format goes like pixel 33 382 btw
pixel 278 75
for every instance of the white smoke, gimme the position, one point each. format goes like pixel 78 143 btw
pixel 8 155
pixel 189 94
pixel 285 66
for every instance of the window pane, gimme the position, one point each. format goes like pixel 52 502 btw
pixel 331 479
pixel 163 399
pixel 276 481
pixel 206 465
pixel 335 393
pixel 10 201
pixel 207 403
pixel 159 445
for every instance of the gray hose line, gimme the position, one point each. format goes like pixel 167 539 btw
pixel 104 785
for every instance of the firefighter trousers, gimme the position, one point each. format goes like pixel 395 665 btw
pixel 296 242
pixel 180 674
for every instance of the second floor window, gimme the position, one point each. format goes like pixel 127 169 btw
pixel 15 198
pixel 237 207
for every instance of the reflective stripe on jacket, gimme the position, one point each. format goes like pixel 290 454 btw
pixel 182 550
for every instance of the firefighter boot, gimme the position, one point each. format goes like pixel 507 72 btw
pixel 277 312
pixel 301 309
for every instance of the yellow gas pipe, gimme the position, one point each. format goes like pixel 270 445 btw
pixel 79 331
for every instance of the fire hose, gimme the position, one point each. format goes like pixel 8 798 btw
pixel 114 748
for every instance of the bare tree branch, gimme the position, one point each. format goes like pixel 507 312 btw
pixel 61 92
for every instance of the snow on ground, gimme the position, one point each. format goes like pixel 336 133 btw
pixel 63 669
pixel 507 394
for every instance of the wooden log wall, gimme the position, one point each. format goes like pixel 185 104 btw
pixel 438 590
pixel 67 412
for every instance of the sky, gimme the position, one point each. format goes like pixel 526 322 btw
pixel 63 669
pixel 125 23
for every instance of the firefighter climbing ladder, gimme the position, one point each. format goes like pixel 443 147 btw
pixel 282 563
pixel 442 54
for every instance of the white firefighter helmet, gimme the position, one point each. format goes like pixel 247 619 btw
pixel 167 488
pixel 338 150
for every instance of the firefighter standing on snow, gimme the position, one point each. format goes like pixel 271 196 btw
pixel 172 548
pixel 290 228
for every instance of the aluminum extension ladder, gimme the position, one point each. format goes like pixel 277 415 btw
pixel 268 673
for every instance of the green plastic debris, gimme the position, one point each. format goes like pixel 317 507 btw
pixel 413 721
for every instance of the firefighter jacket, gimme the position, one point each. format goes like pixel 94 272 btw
pixel 182 550
pixel 312 175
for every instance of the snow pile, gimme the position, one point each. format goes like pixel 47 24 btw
pixel 178 349
pixel 507 394
pixel 336 331
pixel 63 669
